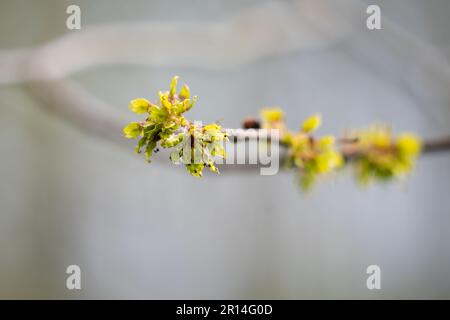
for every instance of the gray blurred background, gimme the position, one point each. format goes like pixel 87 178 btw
pixel 72 193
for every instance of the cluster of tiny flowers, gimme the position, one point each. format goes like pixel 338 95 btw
pixel 313 157
pixel 165 126
pixel 380 155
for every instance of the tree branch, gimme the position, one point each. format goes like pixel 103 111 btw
pixel 348 146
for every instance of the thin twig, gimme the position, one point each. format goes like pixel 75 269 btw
pixel 348 145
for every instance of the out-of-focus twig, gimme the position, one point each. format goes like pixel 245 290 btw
pixel 436 144
pixel 349 147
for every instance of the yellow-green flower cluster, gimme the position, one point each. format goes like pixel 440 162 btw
pixel 379 155
pixel 165 125
pixel 313 157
